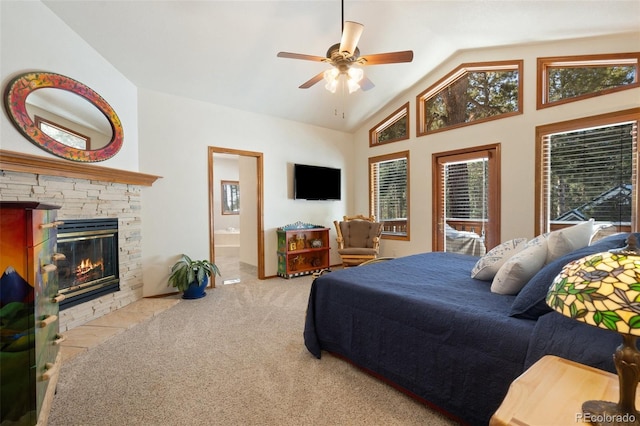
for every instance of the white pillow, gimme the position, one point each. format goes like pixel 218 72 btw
pixel 489 264
pixel 520 268
pixel 566 240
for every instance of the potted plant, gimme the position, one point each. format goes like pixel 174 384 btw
pixel 192 276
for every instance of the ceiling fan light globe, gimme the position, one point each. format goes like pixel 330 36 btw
pixel 332 86
pixel 352 85
pixel 355 74
pixel 331 77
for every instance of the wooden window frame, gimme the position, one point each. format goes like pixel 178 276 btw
pixel 492 236
pixel 403 111
pixel 456 74
pixel 372 210
pixel 581 61
pixel 39 121
pixel 633 114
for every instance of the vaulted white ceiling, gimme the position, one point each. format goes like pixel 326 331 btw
pixel 224 52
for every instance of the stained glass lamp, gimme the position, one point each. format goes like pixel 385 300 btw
pixel 603 290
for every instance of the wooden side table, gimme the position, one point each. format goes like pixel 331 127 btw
pixel 552 391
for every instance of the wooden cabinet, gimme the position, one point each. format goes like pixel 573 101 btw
pixel 303 248
pixel 551 392
pixel 29 351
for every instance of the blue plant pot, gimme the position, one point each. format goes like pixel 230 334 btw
pixel 196 291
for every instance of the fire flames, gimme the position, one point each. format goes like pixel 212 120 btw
pixel 87 270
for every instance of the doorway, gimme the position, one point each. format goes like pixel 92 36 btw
pixel 466 204
pixel 247 227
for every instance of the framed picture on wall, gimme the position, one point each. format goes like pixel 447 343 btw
pixel 230 196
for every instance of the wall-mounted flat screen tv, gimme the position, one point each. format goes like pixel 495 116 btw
pixel 315 182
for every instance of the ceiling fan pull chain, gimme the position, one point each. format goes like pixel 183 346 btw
pixel 342 29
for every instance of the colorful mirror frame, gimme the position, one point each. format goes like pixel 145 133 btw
pixel 15 101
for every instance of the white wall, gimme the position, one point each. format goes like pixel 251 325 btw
pixel 516 135
pixel 248 210
pixel 34 39
pixel 175 134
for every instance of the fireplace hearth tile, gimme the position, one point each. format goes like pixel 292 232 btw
pixel 93 333
pixel 87 336
pixel 70 352
pixel 150 306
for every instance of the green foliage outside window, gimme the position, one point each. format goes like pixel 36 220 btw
pixel 396 130
pixel 393 128
pixel 571 82
pixel 474 96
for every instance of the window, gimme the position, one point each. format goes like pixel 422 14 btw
pixel 471 94
pixel 587 169
pixel 466 204
pixel 572 78
pixel 62 134
pixel 389 193
pixel 392 129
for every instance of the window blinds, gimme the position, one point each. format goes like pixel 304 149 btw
pixel 389 189
pixel 588 173
pixel 466 189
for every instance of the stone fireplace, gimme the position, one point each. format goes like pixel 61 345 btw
pixel 85 192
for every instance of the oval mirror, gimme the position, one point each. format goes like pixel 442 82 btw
pixel 63 117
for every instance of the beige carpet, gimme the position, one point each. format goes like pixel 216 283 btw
pixel 235 357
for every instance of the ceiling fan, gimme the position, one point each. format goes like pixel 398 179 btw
pixel 345 54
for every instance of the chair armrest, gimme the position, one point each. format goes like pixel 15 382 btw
pixel 376 243
pixel 339 237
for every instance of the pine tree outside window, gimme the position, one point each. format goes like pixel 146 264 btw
pixel 471 94
pixel 394 128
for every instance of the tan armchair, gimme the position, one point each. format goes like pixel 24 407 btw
pixel 358 239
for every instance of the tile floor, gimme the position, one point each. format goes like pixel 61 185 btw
pixel 79 339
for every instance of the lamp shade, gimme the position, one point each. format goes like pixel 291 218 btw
pixel 602 290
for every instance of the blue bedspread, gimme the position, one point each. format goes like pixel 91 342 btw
pixel 421 322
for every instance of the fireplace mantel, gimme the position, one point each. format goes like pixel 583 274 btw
pixel 27 163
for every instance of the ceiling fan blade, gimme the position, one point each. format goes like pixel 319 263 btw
pixel 350 37
pixel 366 84
pixel 301 56
pixel 312 81
pixel 387 58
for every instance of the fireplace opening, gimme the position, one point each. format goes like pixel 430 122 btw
pixel 90 267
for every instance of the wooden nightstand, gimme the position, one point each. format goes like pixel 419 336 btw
pixel 552 391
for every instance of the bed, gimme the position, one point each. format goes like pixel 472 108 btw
pixel 422 324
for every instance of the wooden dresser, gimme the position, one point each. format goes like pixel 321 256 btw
pixel 29 329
